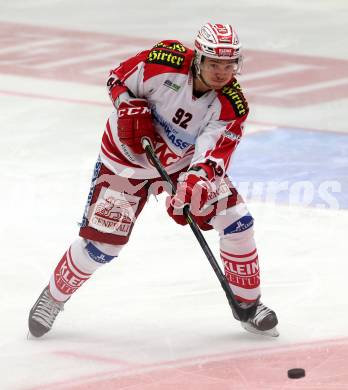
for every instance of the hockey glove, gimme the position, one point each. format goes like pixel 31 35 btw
pixel 193 189
pixel 134 123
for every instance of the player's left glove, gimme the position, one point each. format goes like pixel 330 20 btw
pixel 135 123
pixel 193 189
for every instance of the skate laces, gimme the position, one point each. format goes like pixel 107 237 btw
pixel 261 313
pixel 47 309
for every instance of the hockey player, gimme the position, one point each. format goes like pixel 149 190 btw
pixel 190 106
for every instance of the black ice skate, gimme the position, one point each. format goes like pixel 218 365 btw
pixel 263 321
pixel 43 313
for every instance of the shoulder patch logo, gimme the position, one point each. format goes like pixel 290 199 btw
pixel 236 85
pixel 164 57
pixel 237 100
pixel 176 46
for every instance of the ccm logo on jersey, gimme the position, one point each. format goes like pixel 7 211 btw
pixel 133 111
pixel 163 57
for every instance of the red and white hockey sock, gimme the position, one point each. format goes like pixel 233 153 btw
pixel 238 252
pixel 77 265
pixel 239 255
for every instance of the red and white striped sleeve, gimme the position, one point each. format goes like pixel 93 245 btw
pixel 127 77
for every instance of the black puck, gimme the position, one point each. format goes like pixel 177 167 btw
pixel 296 373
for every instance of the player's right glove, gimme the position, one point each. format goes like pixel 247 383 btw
pixel 135 123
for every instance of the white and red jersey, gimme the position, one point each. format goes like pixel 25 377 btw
pixel 189 130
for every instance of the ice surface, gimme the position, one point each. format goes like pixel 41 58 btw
pixel 156 318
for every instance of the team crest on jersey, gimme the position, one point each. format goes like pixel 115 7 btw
pixel 176 46
pixel 236 98
pixel 164 57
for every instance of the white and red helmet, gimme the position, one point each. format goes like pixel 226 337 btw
pixel 218 41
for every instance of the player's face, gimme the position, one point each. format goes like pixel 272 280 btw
pixel 218 73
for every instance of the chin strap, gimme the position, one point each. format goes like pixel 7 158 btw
pixel 196 71
pixel 200 77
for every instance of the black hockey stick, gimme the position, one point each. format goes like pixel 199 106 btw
pixel 242 313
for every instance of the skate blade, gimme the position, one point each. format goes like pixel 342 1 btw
pixel 30 336
pixel 271 332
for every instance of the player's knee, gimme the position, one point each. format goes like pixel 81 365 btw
pixel 241 227
pixel 101 252
pixel 87 256
pixel 238 236
pixel 235 222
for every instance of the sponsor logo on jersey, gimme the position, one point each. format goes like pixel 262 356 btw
pixel 164 57
pixel 242 224
pixel 114 212
pixel 239 104
pixel 171 85
pixel 177 46
pixel 170 132
pixel 232 136
pixel 164 153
